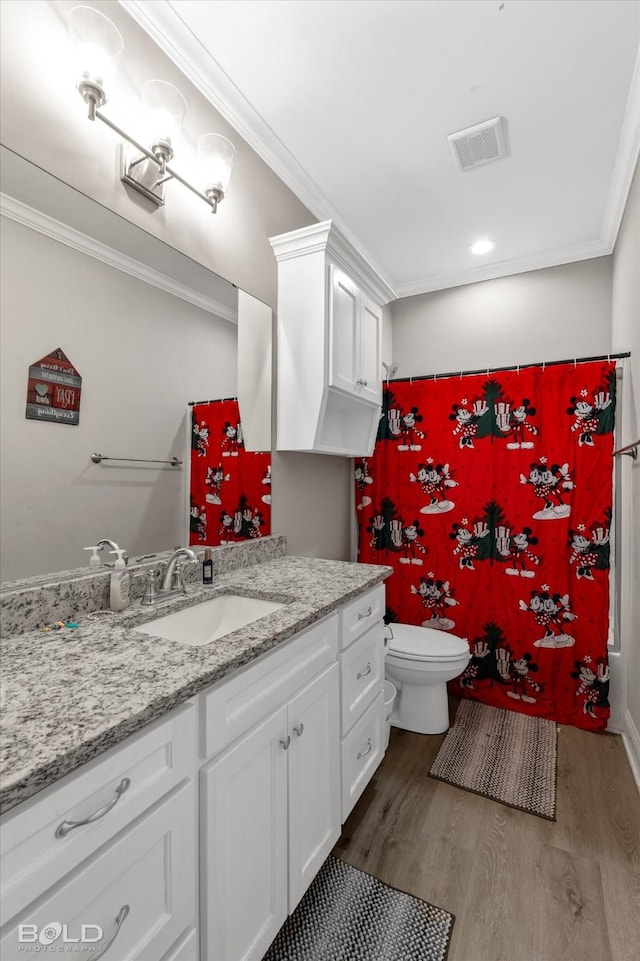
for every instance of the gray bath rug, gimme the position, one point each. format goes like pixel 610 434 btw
pixel 347 915
pixel 502 755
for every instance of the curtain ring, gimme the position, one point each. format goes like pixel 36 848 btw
pixel 461 372
pixel 575 363
pixel 435 377
pixel 544 364
pixel 518 369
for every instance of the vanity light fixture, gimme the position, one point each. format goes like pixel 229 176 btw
pixel 98 47
pixel 482 247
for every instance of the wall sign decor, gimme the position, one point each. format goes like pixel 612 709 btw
pixel 53 391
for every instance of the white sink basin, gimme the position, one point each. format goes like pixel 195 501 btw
pixel 209 620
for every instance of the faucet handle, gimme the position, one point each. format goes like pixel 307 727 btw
pixel 177 583
pixel 149 596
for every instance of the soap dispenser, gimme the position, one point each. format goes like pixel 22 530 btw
pixel 94 560
pixel 119 589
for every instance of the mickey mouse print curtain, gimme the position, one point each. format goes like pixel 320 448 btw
pixel 230 487
pixel 491 497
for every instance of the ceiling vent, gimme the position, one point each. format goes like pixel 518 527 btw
pixel 478 145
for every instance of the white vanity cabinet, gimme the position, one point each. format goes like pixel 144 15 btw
pixel 329 336
pixel 270 801
pixel 362 744
pixel 104 862
pixel 194 838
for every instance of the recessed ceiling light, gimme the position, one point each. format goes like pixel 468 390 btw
pixel 482 247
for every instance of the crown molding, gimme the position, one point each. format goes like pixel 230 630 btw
pixel 625 164
pixel 323 237
pixel 167 29
pixel 34 219
pixel 506 268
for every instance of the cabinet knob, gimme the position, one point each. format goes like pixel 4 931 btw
pixel 363 383
pixel 365 672
pixel 285 741
pixel 298 728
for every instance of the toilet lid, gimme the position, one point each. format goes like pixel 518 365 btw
pixel 424 643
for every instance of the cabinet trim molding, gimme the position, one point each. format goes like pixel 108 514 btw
pixel 325 236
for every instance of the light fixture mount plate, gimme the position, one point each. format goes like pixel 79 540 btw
pixel 131 167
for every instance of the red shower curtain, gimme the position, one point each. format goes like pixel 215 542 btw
pixel 230 487
pixel 491 497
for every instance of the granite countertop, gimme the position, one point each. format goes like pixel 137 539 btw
pixel 67 696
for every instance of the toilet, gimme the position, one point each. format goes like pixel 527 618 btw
pixel 420 661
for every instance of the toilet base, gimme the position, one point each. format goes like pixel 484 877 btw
pixel 424 710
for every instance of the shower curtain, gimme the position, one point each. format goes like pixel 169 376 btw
pixel 230 488
pixel 491 497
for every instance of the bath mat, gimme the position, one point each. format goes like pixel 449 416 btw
pixel 503 755
pixel 347 915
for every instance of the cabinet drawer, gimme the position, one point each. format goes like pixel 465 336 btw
pixel 362 750
pixel 138 891
pixel 358 616
pixel 152 761
pixel 361 675
pixel 233 706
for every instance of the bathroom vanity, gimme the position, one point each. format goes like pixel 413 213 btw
pixel 177 800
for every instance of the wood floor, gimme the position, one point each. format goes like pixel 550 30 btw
pixel 521 888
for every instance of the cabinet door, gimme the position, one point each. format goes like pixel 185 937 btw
pixel 369 363
pixel 132 899
pixel 344 313
pixel 314 780
pixel 244 844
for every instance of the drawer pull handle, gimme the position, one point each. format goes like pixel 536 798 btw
pixel 298 728
pixel 122 914
pixel 364 673
pixel 364 753
pixel 66 826
pixel 363 383
pixel 367 613
pixel 285 741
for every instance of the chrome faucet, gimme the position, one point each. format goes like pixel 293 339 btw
pixel 171 579
pixel 114 547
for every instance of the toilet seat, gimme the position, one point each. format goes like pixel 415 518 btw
pixel 425 644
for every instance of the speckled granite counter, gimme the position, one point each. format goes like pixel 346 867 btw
pixel 66 697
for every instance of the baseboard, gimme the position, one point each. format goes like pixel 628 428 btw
pixel 631 741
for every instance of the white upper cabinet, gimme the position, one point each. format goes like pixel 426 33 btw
pixel 329 332
pixel 355 328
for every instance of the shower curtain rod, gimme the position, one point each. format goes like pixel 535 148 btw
pixel 216 400
pixel 495 370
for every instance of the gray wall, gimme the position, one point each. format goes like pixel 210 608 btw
pixel 538 316
pixel 142 354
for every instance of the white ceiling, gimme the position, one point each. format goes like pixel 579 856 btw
pixel 351 102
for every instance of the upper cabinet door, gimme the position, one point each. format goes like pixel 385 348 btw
pixel 370 363
pixel 344 327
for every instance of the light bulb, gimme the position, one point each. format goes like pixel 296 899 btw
pixel 215 155
pixel 165 108
pixel 482 247
pixel 97 48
